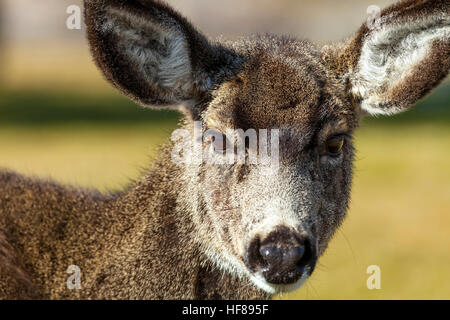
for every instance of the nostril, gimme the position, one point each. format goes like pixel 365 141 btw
pixel 271 254
pixel 299 252
pixel 266 252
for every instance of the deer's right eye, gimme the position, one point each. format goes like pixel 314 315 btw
pixel 335 145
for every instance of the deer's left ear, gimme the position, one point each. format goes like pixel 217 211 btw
pixel 397 59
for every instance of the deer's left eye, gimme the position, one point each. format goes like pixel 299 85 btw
pixel 335 145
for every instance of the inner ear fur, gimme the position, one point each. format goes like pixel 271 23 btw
pixel 395 61
pixel 153 54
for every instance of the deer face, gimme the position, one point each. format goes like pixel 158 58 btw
pixel 273 221
pixel 263 221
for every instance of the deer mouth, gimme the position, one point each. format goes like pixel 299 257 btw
pixel 260 281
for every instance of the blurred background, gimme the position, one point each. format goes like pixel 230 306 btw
pixel 60 119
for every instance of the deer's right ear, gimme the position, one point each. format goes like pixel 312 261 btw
pixel 152 54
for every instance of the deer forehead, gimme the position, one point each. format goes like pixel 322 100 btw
pixel 285 88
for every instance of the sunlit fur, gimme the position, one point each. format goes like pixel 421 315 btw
pixel 183 231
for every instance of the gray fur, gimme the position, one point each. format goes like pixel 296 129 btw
pixel 185 231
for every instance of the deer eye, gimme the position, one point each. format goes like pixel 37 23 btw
pixel 335 145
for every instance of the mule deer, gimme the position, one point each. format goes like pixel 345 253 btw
pixel 205 231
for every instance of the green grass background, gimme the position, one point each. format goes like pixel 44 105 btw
pixel 400 210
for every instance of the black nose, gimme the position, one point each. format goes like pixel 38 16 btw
pixel 282 257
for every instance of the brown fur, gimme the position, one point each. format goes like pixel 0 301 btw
pixel 188 231
pixel 51 227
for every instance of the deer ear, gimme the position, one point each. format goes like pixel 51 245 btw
pixel 396 59
pixel 152 54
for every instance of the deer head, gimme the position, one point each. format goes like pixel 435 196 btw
pixel 254 220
